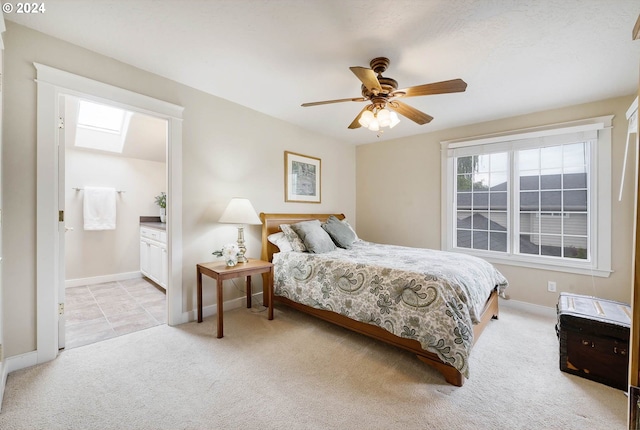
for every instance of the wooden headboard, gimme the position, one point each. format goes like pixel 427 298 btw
pixel 271 224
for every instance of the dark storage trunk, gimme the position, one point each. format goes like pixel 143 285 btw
pixel 594 338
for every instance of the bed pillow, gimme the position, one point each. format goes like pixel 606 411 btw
pixel 340 232
pixel 294 240
pixel 344 221
pixel 281 241
pixel 315 239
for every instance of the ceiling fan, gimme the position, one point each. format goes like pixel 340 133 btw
pixel 382 92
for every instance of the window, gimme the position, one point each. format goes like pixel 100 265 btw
pixel 530 197
pixel 553 205
pixel 481 202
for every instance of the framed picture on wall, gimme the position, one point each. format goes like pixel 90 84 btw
pixel 302 178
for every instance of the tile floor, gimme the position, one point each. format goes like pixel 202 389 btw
pixel 102 311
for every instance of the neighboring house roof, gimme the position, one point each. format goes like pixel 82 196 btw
pixel 498 241
pixel 480 222
pixel 532 189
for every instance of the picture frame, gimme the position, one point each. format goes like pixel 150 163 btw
pixel 302 178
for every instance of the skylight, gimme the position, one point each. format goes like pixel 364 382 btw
pixel 101 127
pixel 100 117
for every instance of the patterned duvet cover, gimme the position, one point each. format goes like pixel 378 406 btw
pixel 431 296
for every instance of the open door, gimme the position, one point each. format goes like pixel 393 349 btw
pixel 62 229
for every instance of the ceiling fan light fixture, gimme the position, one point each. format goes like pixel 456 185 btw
pixel 381 91
pixel 366 118
pixel 394 119
pixel 384 118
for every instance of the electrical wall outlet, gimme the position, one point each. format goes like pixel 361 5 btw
pixel 551 286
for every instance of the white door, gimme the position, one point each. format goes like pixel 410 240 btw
pixel 61 225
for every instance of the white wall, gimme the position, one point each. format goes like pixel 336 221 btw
pixel 97 253
pixel 228 150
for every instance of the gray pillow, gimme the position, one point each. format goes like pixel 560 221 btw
pixel 315 239
pixel 340 232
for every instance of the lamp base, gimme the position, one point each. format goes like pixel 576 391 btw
pixel 241 248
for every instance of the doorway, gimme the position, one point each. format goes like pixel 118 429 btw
pixel 122 152
pixel 51 84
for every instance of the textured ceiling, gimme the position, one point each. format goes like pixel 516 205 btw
pixel 517 56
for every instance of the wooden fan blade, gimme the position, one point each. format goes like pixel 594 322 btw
pixel 326 102
pixel 355 124
pixel 452 86
pixel 412 113
pixel 368 78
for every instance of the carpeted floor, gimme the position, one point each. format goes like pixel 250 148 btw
pixel 297 372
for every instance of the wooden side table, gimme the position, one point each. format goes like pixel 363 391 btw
pixel 220 272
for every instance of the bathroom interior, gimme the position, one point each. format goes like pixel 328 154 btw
pixel 115 247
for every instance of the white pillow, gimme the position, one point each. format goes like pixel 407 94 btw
pixel 294 240
pixel 281 241
pixel 354 232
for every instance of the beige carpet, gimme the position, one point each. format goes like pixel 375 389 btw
pixel 297 372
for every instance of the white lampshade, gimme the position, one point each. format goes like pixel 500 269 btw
pixel 240 211
pixel 374 125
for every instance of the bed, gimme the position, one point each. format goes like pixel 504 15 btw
pixel 376 290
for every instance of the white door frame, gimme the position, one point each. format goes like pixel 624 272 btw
pixel 52 83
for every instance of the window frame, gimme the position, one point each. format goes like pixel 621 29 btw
pixel 599 227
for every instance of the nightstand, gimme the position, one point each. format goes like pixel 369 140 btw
pixel 220 272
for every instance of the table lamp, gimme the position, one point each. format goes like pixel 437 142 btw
pixel 240 211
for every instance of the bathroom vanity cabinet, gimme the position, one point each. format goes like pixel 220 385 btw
pixel 154 261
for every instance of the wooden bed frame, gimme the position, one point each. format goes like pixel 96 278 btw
pixel 271 224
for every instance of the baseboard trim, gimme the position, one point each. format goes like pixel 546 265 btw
pixel 11 364
pixel 228 305
pixel 79 282
pixel 211 310
pixel 3 380
pixel 22 361
pixel 544 311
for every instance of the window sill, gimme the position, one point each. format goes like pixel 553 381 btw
pixel 523 261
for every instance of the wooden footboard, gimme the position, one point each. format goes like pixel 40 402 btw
pixel 450 373
pixel 271 224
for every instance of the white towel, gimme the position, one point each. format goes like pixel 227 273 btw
pixel 99 208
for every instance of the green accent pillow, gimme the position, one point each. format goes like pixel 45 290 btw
pixel 315 239
pixel 340 232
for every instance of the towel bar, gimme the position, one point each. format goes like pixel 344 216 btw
pixel 82 189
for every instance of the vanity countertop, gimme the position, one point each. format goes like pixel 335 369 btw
pixel 157 225
pixel 153 222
